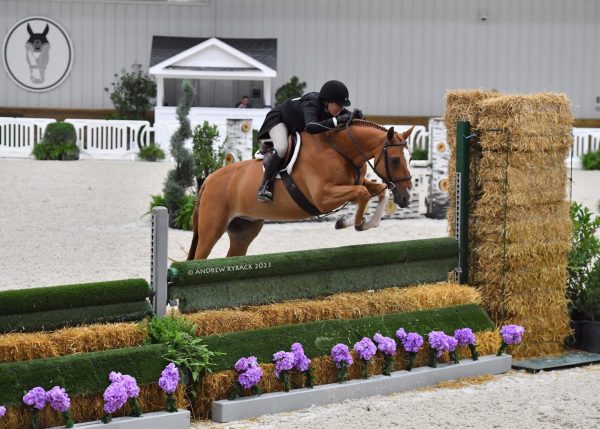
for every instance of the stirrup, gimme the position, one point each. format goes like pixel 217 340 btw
pixel 265 194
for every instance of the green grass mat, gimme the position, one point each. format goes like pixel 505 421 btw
pixel 80 373
pixel 73 296
pixel 318 338
pixel 55 319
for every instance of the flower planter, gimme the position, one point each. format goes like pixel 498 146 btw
pixel 590 336
pixel 161 419
pixel 398 381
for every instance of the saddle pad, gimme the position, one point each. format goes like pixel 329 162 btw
pixel 293 158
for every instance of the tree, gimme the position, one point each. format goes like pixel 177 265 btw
pixel 132 93
pixel 207 159
pixel 182 176
pixel 294 88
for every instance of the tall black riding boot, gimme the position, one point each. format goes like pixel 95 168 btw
pixel 272 164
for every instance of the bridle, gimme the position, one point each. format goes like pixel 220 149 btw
pixel 390 181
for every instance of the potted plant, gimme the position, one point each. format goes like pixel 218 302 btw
pixel 583 287
pixel 588 305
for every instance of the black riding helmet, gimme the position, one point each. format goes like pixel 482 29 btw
pixel 336 91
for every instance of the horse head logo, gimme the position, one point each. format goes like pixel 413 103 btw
pixel 37 53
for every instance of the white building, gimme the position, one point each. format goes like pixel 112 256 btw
pixel 398 57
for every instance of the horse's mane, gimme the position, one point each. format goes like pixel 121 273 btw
pixel 364 123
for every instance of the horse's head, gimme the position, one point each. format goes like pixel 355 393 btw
pixel 37 40
pixel 391 164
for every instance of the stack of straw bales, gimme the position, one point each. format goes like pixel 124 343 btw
pixel 519 225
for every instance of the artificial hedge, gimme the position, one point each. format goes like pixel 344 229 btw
pixel 260 279
pixel 55 319
pixel 318 338
pixel 288 263
pixel 73 296
pixel 81 373
pixel 264 290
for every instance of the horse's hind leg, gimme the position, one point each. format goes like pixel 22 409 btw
pixel 241 233
pixel 210 230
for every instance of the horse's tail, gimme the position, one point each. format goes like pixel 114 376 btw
pixel 192 251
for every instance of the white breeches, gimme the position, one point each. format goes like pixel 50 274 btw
pixel 279 135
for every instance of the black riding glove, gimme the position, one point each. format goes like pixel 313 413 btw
pixel 358 114
pixel 343 118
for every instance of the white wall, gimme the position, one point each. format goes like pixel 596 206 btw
pixel 397 56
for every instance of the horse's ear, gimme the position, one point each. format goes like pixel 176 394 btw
pixel 406 134
pixel 390 134
pixel 45 30
pixel 29 30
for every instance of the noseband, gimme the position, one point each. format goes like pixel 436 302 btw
pixel 390 181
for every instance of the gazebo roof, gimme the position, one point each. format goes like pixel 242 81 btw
pixel 213 58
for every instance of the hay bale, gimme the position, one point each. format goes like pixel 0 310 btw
pixel 349 305
pixel 519 225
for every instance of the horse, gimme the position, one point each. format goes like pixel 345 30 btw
pixel 329 171
pixel 37 48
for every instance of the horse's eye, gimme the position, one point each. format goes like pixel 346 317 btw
pixel 395 161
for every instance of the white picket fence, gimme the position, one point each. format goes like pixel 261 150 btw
pixel 96 138
pixel 117 139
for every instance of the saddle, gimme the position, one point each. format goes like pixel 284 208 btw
pixel 291 156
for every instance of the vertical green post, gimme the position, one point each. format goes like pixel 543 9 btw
pixel 463 130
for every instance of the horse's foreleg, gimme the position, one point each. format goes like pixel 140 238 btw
pixel 378 189
pixel 336 195
pixel 241 233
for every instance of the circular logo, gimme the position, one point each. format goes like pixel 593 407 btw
pixel 37 54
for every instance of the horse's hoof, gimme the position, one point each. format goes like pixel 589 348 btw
pixel 361 226
pixel 339 224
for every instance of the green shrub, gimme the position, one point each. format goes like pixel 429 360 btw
pixel 157 200
pixel 589 298
pixel 161 330
pixel 151 153
pixel 183 348
pixel 183 216
pixel 291 89
pixel 419 154
pixel 207 158
pixel 591 161
pixel 59 143
pixel 132 93
pixel 585 250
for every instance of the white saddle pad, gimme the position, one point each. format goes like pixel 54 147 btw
pixel 293 158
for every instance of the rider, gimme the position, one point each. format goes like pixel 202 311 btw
pixel 315 112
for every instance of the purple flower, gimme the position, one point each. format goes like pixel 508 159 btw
pixel 2 411
pixel 58 399
pixel 244 364
pixel 301 362
pixel 130 385
pixel 438 341
pixel 464 336
pixel 401 335
pixel 250 377
pixel 115 377
pixel 512 334
pixel 36 398
pixel 386 345
pixel 452 343
pixel 169 378
pixel 284 361
pixel 365 348
pixel 115 396
pixel 413 343
pixel 340 354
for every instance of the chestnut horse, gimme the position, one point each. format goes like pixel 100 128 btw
pixel 330 171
